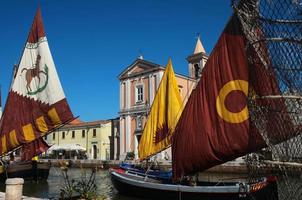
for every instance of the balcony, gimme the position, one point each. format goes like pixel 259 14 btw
pixel 137 108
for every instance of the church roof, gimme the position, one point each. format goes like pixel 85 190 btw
pixel 79 123
pixel 139 66
pixel 199 47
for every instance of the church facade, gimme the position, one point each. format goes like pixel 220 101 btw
pixel 138 86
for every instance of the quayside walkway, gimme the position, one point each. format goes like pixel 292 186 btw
pixel 2 196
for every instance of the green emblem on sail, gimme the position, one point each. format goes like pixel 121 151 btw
pixel 35 72
pixel 40 89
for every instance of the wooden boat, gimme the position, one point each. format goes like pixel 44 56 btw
pixel 133 184
pixel 156 184
pixel 36 106
pixel 28 170
pixel 239 106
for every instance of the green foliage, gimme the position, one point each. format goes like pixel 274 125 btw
pixel 83 188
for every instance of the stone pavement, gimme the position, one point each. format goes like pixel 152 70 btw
pixel 2 196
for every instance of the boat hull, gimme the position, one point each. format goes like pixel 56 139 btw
pixel 28 170
pixel 133 185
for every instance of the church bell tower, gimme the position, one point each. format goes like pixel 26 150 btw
pixel 197 60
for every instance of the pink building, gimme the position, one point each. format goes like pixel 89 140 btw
pixel 138 86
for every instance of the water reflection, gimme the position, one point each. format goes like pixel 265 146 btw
pixel 51 188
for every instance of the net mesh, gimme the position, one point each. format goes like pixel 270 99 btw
pixel 273 29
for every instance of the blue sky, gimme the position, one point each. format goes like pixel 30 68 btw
pixel 93 41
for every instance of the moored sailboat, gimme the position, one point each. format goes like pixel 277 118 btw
pixel 36 105
pixel 215 127
pixel 163 117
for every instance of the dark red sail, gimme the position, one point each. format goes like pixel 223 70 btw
pixel 37 30
pixel 221 119
pixel 36 103
pixel 214 126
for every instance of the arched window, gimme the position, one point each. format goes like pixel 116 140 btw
pixel 196 68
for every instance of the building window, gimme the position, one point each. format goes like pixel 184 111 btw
pixel 179 89
pixel 72 134
pixel 45 137
pixel 139 93
pixel 63 135
pixel 138 137
pixel 197 69
pixel 94 132
pixel 83 133
pixel 139 123
pixel 54 136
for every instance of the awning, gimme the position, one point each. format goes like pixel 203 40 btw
pixel 67 147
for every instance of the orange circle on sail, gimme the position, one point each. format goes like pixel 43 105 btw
pixel 223 112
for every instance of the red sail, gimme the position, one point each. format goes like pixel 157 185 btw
pixel 231 108
pixel 214 127
pixel 37 29
pixel 36 103
pixel 33 149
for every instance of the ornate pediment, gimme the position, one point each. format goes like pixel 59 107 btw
pixel 139 67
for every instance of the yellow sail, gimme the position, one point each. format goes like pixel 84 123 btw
pixel 165 112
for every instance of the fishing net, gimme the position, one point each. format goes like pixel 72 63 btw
pixel 273 29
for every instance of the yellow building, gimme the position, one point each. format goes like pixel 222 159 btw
pixel 92 139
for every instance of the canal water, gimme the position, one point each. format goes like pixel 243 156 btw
pixel 51 188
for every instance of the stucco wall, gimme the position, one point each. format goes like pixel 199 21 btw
pixel 101 140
